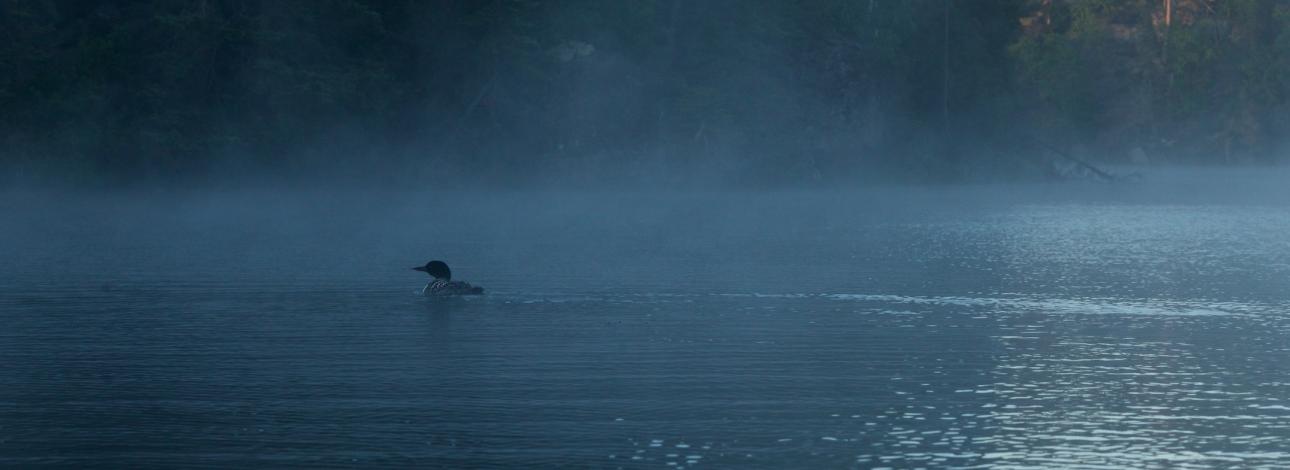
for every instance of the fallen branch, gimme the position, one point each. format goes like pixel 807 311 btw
pixel 1086 165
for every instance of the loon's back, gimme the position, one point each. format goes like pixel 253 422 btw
pixel 440 287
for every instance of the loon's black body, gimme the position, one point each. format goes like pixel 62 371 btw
pixel 443 285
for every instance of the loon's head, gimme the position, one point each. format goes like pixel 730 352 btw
pixel 438 269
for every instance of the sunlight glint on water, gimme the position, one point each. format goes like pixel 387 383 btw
pixel 1031 335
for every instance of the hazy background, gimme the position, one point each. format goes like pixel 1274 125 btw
pixel 745 93
pixel 729 233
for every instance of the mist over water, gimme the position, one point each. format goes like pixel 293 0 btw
pixel 995 325
pixel 725 233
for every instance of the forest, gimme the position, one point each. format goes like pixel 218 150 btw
pixel 583 92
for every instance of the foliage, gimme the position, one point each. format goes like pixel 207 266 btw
pixel 748 91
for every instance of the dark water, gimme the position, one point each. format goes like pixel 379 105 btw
pixel 823 330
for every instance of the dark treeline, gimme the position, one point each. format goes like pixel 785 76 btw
pixel 744 91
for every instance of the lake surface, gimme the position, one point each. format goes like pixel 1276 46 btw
pixel 950 328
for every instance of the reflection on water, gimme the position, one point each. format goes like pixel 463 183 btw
pixel 1022 336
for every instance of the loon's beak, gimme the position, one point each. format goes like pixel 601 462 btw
pixel 419 268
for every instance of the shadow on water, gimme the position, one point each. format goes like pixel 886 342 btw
pixel 439 315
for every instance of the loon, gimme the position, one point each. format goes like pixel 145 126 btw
pixel 443 285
